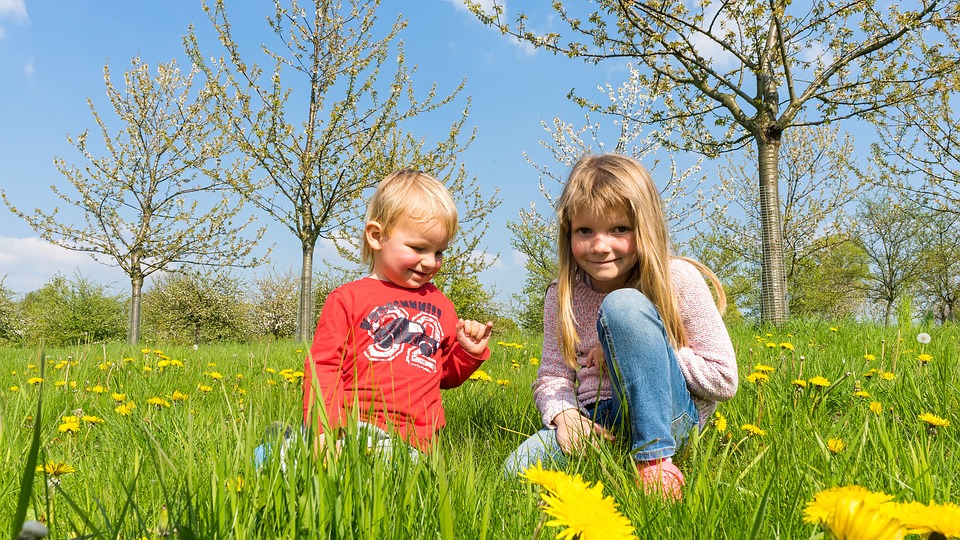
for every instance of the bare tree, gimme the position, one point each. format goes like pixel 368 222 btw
pixel 160 196
pixel 736 73
pixel 919 149
pixel 322 125
pixel 889 232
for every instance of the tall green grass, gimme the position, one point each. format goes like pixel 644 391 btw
pixel 186 470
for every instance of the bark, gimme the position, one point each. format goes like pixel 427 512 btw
pixel 305 322
pixel 773 286
pixel 133 321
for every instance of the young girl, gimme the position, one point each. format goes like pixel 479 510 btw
pixel 633 344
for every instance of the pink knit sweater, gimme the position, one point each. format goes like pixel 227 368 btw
pixel 708 363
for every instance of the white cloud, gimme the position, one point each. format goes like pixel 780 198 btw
pixel 26 264
pixel 28 69
pixel 13 9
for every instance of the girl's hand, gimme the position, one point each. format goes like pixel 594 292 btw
pixel 473 336
pixel 595 358
pixel 575 429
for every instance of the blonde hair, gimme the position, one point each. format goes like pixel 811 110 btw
pixel 409 194
pixel 613 183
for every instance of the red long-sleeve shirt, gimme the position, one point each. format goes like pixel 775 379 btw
pixel 382 353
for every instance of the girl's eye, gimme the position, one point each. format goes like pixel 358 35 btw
pixel 583 231
pixel 623 229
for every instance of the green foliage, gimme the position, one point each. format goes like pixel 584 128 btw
pixel 830 283
pixel 274 308
pixel 196 308
pixel 10 325
pixel 66 311
pixel 187 464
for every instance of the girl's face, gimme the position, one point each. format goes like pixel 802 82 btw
pixel 411 254
pixel 605 247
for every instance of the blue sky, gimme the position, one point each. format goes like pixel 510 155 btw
pixel 52 54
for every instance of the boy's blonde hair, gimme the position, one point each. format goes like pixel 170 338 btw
pixel 409 194
pixel 613 183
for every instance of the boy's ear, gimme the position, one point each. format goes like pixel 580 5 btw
pixel 373 232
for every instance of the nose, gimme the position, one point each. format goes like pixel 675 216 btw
pixel 600 243
pixel 430 261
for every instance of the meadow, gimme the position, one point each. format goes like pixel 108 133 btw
pixel 158 442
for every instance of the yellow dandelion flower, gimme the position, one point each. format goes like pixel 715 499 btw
pixel 836 445
pixel 147 369
pixel 824 503
pixel 925 520
pixel 534 361
pixel 481 375
pixel 758 378
pixel 90 419
pixel 271 371
pixel 552 481
pixel 871 373
pixel 771 345
pixel 163 363
pixel 123 410
pixel 56 468
pixel 119 398
pixel 158 402
pixel 145 351
pixel 69 418
pixel 869 357
pixel 128 360
pixel 800 383
pixel 211 364
pixel 157 351
pixel 14 388
pixel 98 389
pixel 216 375
pixel 934 420
pixel 179 396
pixel 764 368
pixel 35 380
pixel 585 513
pixel 887 376
pixel 924 358
pixel 753 431
pixel 58 384
pixel 204 388
pixel 876 407
pixel 720 422
pixel 176 363
pixel 834 329
pixel 503 382
pixel 271 382
pixel 69 427
pixel 862 393
pixel 786 345
pixel 822 382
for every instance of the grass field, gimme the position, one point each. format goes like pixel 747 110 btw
pixel 159 442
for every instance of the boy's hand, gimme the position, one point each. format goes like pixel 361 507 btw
pixel 473 336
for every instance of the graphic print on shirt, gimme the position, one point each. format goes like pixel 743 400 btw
pixel 398 334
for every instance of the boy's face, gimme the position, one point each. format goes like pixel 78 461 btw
pixel 411 254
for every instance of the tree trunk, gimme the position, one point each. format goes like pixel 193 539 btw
pixel 773 286
pixel 305 322
pixel 133 319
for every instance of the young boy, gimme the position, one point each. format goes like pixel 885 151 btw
pixel 387 343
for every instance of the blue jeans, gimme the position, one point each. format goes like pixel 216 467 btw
pixel 373 437
pixel 651 405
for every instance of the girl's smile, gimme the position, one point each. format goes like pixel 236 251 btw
pixel 605 247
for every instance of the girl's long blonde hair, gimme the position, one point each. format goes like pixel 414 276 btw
pixel 613 183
